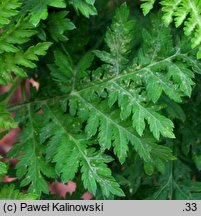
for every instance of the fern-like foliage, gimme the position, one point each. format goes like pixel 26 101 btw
pixel 69 151
pixel 9 192
pixel 39 9
pixel 147 5
pixel 118 38
pixel 14 58
pixel 65 148
pixel 6 121
pixel 17 34
pixel 32 167
pixel 8 9
pixel 86 7
pixel 120 99
pixel 58 24
pixel 122 86
pixel 119 107
pixel 181 12
pixel 172 185
pixel 14 62
pixel 3 169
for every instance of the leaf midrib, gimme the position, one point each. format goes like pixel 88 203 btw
pixel 121 76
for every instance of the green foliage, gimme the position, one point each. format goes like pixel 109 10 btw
pixel 39 9
pixel 17 34
pixel 8 9
pixel 32 166
pixel 173 186
pixel 118 38
pixel 147 5
pixel 69 151
pixel 186 13
pixel 3 169
pixel 58 24
pixel 112 110
pixel 86 7
pixel 6 121
pixel 14 62
pixel 8 192
pixel 13 55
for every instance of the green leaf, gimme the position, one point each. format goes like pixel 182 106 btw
pixel 118 38
pixel 67 72
pixel 58 24
pixel 176 184
pixel 118 135
pixel 158 123
pixel 39 9
pixel 14 62
pixel 71 152
pixel 174 109
pixel 32 54
pixel 32 168
pixel 147 5
pixel 96 169
pixel 8 9
pixel 6 120
pixel 17 34
pixel 3 169
pixel 86 7
pixel 8 192
pixel 183 76
pixel 133 96
pixel 181 12
pixel 121 105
